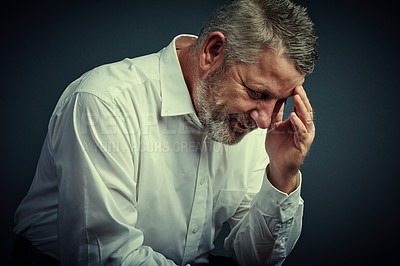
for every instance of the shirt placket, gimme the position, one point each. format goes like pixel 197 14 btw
pixel 196 223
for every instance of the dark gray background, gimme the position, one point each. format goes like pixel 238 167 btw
pixel 350 181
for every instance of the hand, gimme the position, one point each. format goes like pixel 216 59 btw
pixel 288 142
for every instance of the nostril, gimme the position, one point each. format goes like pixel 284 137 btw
pixel 261 118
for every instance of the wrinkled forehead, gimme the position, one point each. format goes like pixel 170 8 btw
pixel 275 74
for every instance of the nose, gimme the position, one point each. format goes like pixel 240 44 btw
pixel 264 112
pixel 263 120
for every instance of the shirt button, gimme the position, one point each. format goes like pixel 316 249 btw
pixel 278 227
pixel 202 181
pixel 195 229
pixel 285 207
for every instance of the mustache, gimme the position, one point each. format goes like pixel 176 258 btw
pixel 244 119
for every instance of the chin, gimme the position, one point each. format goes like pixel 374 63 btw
pixel 226 131
pixel 229 139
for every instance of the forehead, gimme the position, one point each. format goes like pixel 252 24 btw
pixel 274 74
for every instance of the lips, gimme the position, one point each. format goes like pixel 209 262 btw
pixel 243 123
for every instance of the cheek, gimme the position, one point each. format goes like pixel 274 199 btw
pixel 237 101
pixel 243 106
pixel 267 109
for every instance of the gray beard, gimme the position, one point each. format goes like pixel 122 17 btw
pixel 216 122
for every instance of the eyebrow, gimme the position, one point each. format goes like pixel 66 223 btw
pixel 266 90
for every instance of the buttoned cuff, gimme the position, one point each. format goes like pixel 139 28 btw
pixel 275 203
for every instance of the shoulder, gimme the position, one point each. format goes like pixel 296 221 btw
pixel 110 80
pixel 127 82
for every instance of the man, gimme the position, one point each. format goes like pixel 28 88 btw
pixel 145 159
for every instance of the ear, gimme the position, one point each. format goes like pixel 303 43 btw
pixel 212 53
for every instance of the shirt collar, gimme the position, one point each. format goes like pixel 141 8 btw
pixel 176 99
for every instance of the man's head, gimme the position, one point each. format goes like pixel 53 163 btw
pixel 253 54
pixel 251 26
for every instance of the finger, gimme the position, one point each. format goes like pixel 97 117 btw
pixel 303 138
pixel 279 107
pixel 303 95
pixel 299 130
pixel 277 114
pixel 303 113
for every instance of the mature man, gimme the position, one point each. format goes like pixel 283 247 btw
pixel 139 167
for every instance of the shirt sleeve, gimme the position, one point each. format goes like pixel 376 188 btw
pixel 92 151
pixel 267 231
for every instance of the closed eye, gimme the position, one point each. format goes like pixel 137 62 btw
pixel 255 94
pixel 259 95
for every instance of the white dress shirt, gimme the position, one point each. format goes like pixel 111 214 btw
pixel 127 177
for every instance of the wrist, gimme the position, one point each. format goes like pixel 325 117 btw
pixel 284 182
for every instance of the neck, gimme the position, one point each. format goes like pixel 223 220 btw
pixel 189 62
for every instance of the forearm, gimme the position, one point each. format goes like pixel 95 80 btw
pixel 269 231
pixel 93 250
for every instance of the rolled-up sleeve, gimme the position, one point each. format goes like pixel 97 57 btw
pixel 269 230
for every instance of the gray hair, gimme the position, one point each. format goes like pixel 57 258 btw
pixel 251 26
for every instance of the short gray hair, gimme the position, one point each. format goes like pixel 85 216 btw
pixel 251 26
